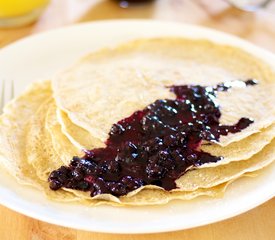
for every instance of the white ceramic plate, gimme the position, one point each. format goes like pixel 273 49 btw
pixel 42 55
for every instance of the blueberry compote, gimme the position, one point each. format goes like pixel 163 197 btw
pixel 155 145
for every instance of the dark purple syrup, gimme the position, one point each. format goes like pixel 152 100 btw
pixel 155 145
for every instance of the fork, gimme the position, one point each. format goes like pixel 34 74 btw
pixel 6 91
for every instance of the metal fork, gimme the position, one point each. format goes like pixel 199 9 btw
pixel 6 91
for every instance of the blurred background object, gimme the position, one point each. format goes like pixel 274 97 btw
pixel 14 13
pixel 132 3
pixel 257 26
pixel 249 5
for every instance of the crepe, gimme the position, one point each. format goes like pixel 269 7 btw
pixel 42 147
pixel 122 80
pixel 208 177
pixel 222 173
pixel 13 131
pixel 53 121
pixel 13 127
pixel 212 182
pixel 152 196
pixel 236 151
pixel 33 173
pixel 241 150
pixel 78 136
pixel 192 181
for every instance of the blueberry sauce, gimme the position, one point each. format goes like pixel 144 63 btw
pixel 155 145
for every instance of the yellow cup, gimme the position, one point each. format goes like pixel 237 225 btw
pixel 20 12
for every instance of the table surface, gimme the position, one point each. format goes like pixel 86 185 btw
pixel 258 28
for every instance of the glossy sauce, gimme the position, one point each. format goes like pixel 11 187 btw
pixel 155 145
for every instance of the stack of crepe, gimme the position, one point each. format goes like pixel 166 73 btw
pixel 56 119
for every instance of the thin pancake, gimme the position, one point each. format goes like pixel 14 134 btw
pixel 111 84
pixel 236 151
pixel 13 127
pixel 210 177
pixel 78 136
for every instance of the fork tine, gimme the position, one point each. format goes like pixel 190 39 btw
pixel 2 96
pixel 12 90
pixel 7 92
